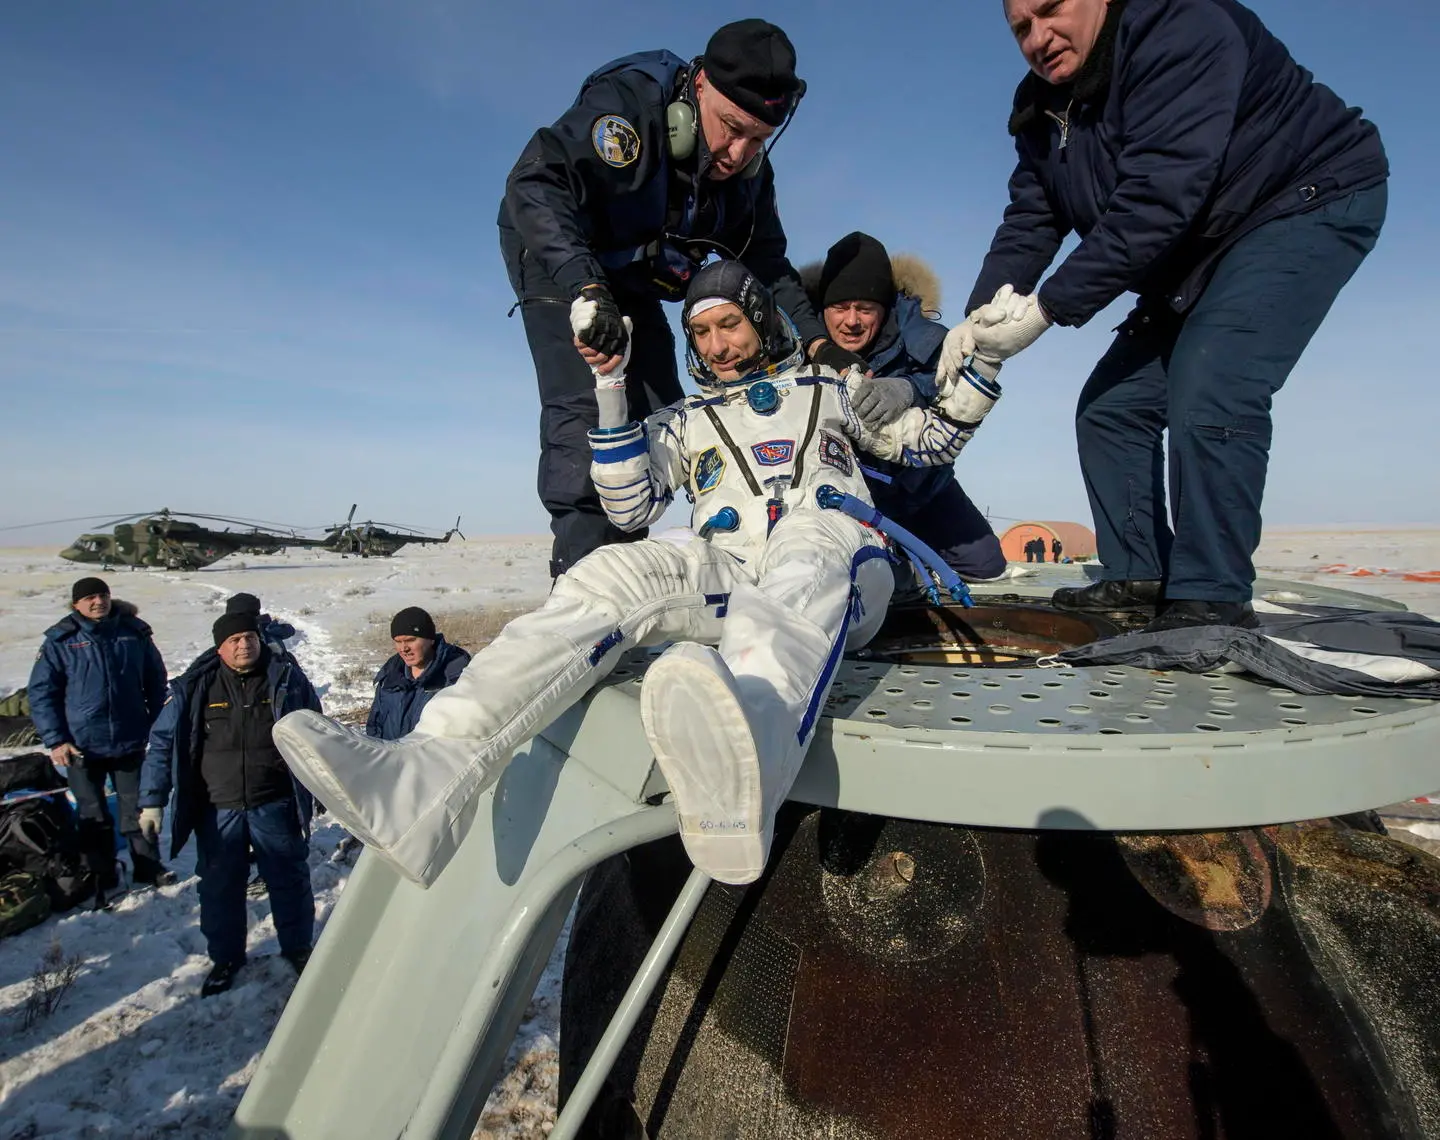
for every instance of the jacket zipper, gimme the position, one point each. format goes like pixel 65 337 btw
pixel 1063 118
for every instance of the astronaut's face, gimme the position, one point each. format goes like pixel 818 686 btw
pixel 725 341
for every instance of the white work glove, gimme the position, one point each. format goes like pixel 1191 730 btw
pixel 959 346
pixel 150 822
pixel 1010 323
pixel 879 400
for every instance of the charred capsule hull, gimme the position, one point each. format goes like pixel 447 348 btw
pixel 892 978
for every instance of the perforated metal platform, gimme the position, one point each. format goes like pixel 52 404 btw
pixel 1160 750
pixel 1101 701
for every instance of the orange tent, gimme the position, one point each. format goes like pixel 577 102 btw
pixel 1076 541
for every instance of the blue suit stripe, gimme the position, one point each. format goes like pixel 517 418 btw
pixel 837 648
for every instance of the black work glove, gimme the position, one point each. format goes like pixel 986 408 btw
pixel 833 356
pixel 596 322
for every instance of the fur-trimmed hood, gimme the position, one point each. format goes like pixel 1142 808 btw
pixel 913 277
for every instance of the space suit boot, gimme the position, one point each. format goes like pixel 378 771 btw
pixel 698 729
pixel 410 801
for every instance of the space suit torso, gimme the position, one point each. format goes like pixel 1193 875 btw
pixel 758 451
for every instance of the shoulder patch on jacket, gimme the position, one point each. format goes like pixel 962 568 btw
pixel 615 141
pixel 709 467
pixel 835 452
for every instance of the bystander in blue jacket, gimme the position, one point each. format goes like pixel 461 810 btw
pixel 423 664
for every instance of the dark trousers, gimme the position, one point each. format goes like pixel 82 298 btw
pixel 224 837
pixel 944 519
pixel 97 825
pixel 567 401
pixel 1209 377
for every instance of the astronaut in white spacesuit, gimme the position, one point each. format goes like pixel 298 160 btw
pixel 760 599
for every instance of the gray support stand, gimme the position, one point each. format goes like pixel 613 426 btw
pixel 632 1005
pixel 405 1012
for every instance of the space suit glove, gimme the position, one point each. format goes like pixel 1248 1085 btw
pixel 831 355
pixel 610 395
pixel 596 321
pixel 1010 323
pixel 879 400
pixel 615 378
pixel 151 820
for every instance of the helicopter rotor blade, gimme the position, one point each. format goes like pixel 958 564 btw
pixel 58 522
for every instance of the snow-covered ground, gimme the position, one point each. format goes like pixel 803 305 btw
pixel 133 1051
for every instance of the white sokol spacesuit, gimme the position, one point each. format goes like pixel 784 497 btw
pixel 760 598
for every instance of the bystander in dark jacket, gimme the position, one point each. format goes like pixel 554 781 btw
pixel 232 790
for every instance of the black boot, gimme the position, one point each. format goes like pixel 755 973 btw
pixel 1182 613
pixel 220 979
pixel 1110 596
pixel 297 959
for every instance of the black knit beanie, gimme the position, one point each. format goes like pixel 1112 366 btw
pixel 412 622
pixel 228 625
pixel 857 268
pixel 87 586
pixel 243 604
pixel 752 63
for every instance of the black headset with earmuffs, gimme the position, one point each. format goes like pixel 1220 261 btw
pixel 683 130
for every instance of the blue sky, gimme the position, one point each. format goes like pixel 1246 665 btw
pixel 248 258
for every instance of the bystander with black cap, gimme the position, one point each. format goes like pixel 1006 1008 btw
pixel 423 664
pixel 885 308
pixel 212 748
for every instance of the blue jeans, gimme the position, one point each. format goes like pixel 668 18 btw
pixel 1209 377
pixel 223 838
pixel 97 826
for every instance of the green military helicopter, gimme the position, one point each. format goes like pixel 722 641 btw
pixel 177 541
pixel 379 540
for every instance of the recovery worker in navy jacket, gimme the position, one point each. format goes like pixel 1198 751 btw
pixel 880 307
pixel 423 664
pixel 656 165
pixel 1205 170
pixel 233 791
pixel 97 685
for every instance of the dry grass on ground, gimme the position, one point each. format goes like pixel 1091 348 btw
pixel 472 628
